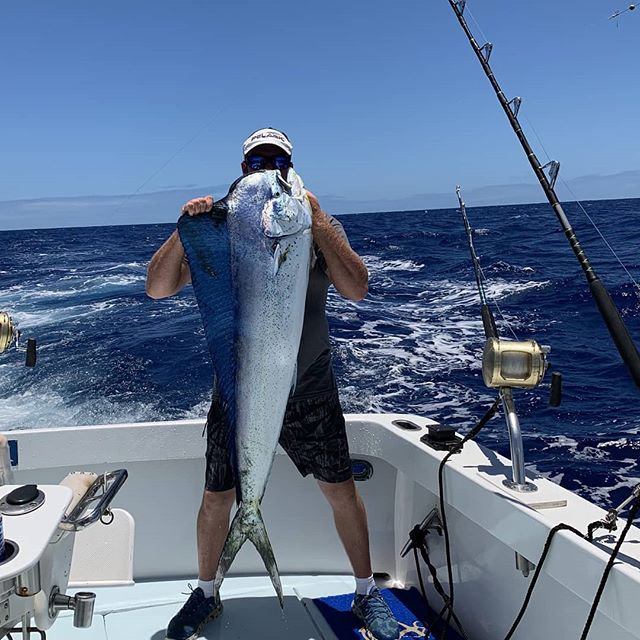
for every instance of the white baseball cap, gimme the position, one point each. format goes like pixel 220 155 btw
pixel 267 136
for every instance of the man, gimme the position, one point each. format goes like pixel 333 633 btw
pixel 313 433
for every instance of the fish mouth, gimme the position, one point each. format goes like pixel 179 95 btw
pixel 272 235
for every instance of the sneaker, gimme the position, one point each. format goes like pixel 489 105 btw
pixel 194 615
pixel 376 615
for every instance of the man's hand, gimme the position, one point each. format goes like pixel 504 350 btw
pixel 198 205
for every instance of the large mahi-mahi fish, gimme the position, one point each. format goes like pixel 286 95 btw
pixel 249 260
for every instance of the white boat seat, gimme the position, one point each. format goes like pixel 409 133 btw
pixel 103 554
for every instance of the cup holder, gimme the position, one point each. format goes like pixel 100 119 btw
pixel 11 550
pixel 406 425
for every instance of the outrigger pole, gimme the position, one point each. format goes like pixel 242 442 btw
pixel 606 306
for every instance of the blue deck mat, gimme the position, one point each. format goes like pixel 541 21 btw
pixel 407 605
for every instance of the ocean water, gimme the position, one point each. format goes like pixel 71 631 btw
pixel 108 354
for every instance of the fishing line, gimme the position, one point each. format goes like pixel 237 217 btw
pixel 494 302
pixel 564 183
pixel 481 279
pixel 547 175
pixel 595 226
pixel 477 25
pixel 584 211
pixel 207 124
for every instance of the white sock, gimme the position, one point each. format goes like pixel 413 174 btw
pixel 364 585
pixel 207 587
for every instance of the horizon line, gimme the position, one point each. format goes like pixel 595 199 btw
pixel 350 213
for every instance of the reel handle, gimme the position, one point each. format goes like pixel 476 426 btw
pixel 30 360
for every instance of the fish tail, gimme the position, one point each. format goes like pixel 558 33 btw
pixel 258 535
pixel 248 523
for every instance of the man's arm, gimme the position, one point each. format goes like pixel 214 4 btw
pixel 345 268
pixel 168 270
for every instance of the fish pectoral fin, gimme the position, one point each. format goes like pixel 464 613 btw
pixel 277 258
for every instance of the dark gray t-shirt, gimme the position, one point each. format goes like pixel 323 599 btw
pixel 315 373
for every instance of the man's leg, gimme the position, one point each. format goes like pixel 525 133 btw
pixel 314 435
pixel 203 604
pixel 351 522
pixel 213 526
pixel 350 518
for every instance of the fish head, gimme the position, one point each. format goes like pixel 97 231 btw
pixel 287 211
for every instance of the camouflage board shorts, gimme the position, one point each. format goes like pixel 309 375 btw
pixel 313 435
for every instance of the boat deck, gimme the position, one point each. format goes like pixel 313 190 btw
pixel 251 610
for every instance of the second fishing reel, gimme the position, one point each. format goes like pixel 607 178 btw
pixel 10 336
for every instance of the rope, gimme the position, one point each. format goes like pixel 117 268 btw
pixel 536 575
pixel 603 581
pixel 565 527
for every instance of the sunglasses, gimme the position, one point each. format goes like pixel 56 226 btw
pixel 258 163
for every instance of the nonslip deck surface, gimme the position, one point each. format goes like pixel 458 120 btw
pixel 251 610
pixel 316 608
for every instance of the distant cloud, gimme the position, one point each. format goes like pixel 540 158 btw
pixel 165 187
pixel 593 187
pixel 164 205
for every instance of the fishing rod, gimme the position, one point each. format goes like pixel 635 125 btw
pixel 605 304
pixel 508 365
pixel 617 14
pixel 488 321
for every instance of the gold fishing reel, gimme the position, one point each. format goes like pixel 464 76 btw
pixel 8 333
pixel 506 363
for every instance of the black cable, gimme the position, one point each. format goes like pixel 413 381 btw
pixel 431 628
pixel 441 592
pixel 472 434
pixel 601 586
pixel 424 593
pixel 632 515
pixel 536 575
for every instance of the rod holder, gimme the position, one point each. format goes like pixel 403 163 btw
pixel 28 582
pixel 82 605
pixel 523 565
pixel 519 479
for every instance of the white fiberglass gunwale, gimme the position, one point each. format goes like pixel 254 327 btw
pixel 487 522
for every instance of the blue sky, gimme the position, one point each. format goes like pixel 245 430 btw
pixel 384 102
